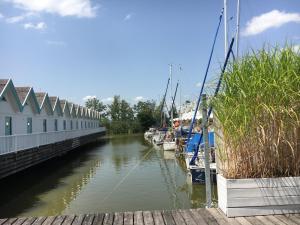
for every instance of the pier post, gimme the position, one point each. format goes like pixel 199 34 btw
pixel 206 151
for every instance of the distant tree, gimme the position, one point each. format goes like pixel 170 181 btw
pixel 145 114
pixel 95 104
pixel 114 108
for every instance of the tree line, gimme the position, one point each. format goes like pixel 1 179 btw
pixel 120 117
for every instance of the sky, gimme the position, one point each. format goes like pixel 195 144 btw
pixel 80 48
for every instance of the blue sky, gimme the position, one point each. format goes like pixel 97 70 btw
pixel 78 48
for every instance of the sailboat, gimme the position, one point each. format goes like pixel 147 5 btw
pixel 169 143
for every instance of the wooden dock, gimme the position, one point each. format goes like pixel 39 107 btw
pixel 171 217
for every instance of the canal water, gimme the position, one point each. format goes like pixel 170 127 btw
pixel 113 175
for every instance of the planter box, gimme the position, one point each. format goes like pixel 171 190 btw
pixel 258 196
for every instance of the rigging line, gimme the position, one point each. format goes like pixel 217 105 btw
pixel 125 177
pixel 192 162
pixel 205 76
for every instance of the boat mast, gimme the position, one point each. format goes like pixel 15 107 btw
pixel 171 97
pixel 225 28
pixel 237 28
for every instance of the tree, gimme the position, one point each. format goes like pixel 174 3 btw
pixel 95 104
pixel 145 114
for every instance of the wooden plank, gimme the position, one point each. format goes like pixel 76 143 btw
pixel 9 221
pixel 138 218
pixel 242 221
pixel 158 219
pixel 286 219
pixel 187 217
pixel 119 218
pixel 253 220
pixel 58 220
pixel 275 220
pixel 39 220
pixel 78 220
pixel 88 219
pixel 221 218
pixel 2 221
pixel 98 220
pixel 68 220
pixel 208 218
pixel 262 192
pixel 128 218
pixel 108 219
pixel 263 201
pixel 48 220
pixel 262 210
pixel 295 217
pixel 264 220
pixel 259 182
pixel 29 221
pixel 178 219
pixel 168 218
pixel 197 217
pixel 148 219
pixel 20 221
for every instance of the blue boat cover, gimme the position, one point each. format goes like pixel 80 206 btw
pixel 193 143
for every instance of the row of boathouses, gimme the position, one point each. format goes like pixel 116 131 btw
pixel 41 125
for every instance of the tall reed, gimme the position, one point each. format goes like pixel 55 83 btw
pixel 258 114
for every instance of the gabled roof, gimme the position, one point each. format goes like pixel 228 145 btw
pixel 77 109
pixel 82 113
pixel 3 83
pixel 72 109
pixel 26 96
pixel 56 106
pixel 8 92
pixel 87 113
pixel 44 102
pixel 65 107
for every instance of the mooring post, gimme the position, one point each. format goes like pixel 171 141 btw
pixel 206 151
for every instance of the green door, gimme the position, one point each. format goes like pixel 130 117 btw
pixel 29 125
pixel 8 128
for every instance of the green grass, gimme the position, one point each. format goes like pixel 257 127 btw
pixel 258 114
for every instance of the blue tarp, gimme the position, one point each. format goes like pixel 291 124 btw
pixel 192 144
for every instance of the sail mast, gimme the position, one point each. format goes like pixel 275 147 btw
pixel 237 28
pixel 171 96
pixel 225 28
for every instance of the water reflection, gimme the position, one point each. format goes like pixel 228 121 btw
pixel 123 174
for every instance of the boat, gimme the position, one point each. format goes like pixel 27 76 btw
pixel 169 145
pixel 158 137
pixel 149 134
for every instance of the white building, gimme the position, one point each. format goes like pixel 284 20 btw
pixel 29 119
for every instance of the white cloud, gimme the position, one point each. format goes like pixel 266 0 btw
pixel 78 8
pixel 37 26
pixel 55 43
pixel 1 16
pixel 139 98
pixel 109 99
pixel 269 20
pixel 128 17
pixel 16 19
pixel 88 97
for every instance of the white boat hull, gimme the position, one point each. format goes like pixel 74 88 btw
pixel 169 145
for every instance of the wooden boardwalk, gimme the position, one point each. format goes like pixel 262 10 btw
pixel 173 217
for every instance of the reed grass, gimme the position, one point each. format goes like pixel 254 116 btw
pixel 258 114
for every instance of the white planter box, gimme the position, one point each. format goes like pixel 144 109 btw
pixel 258 196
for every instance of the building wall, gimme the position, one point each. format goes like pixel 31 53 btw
pixel 19 120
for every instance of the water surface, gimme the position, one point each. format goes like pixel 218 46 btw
pixel 119 174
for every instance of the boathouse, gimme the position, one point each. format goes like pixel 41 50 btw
pixel 35 127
